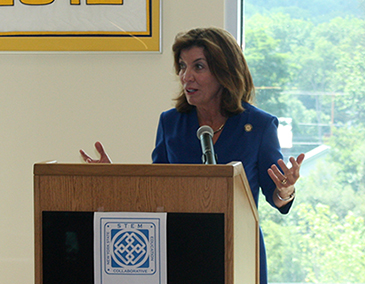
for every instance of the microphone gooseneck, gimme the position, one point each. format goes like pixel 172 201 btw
pixel 205 135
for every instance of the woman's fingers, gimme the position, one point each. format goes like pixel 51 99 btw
pixel 286 176
pixel 104 158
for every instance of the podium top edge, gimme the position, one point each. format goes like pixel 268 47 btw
pixel 192 170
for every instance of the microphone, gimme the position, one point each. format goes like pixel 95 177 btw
pixel 205 135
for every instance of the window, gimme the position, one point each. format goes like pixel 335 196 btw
pixel 307 59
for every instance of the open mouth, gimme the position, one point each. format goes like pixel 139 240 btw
pixel 190 91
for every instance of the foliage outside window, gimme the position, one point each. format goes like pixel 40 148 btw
pixel 307 59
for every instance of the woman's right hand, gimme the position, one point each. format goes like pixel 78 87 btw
pixel 104 158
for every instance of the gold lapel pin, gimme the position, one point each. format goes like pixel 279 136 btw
pixel 248 127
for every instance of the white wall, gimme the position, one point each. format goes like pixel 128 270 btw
pixel 54 104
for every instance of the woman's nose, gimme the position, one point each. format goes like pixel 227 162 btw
pixel 188 76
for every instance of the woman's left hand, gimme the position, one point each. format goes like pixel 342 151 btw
pixel 285 179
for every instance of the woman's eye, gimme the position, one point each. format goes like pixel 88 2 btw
pixel 199 66
pixel 182 66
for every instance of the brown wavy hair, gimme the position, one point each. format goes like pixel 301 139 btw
pixel 226 62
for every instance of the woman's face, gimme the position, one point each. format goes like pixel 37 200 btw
pixel 200 85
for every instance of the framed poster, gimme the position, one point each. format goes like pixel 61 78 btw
pixel 80 25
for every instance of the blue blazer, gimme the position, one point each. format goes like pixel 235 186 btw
pixel 249 137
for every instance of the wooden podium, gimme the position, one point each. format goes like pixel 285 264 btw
pixel 169 188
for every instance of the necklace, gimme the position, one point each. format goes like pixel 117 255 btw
pixel 220 128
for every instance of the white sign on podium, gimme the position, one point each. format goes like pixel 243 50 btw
pixel 130 248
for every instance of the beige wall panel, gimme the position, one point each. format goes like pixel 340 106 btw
pixel 54 104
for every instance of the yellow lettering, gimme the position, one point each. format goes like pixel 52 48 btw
pixel 6 2
pixel 72 2
pixel 104 2
pixel 36 2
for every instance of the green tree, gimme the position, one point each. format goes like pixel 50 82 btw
pixel 268 69
pixel 348 155
pixel 315 245
pixel 317 11
pixel 351 81
pixel 321 241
